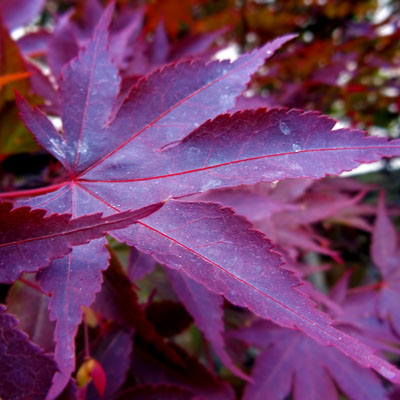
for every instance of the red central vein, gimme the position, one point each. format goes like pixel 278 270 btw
pixel 151 123
pixel 235 277
pixel 243 282
pixel 85 109
pixel 101 200
pixel 237 162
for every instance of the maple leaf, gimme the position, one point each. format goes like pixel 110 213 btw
pixel 29 241
pixel 167 139
pixel 119 302
pixel 19 12
pixel 75 28
pixel 207 312
pixel 284 211
pixel 25 371
pixel 293 362
pixel 385 253
pixel 139 264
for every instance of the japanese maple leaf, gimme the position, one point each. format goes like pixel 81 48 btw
pixel 284 211
pixel 385 253
pixel 168 139
pixel 29 241
pixel 292 362
pixel 74 29
pixel 206 308
pixel 25 370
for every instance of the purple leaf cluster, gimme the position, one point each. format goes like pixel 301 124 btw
pixel 161 156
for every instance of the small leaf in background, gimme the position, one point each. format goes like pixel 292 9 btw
pixel 19 12
pixel 292 363
pixel 8 78
pixel 26 372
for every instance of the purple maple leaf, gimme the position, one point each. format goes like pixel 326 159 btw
pixel 19 12
pixel 168 139
pixel 206 308
pixel 385 253
pixel 292 362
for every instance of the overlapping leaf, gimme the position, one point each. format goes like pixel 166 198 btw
pixel 25 370
pixel 167 140
pixel 29 241
pixel 206 309
pixel 19 12
pixel 385 252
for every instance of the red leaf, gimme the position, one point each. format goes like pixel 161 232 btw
pixel 29 241
pixel 25 371
pixel 148 149
pixel 219 250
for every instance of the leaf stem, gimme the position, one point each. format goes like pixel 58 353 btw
pixel 31 192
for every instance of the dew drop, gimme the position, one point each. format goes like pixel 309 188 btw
pixel 284 128
pixel 296 147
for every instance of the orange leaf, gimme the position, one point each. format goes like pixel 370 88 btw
pixel 8 78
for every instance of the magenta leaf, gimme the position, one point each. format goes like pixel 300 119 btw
pixel 203 240
pixel 62 46
pixel 207 312
pixel 167 139
pixel 30 241
pixel 139 265
pixel 72 282
pixel 19 12
pixel 291 362
pixel 25 371
pixel 119 302
pixel 385 252
pixel 246 147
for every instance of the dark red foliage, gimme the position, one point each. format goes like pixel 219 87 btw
pixel 176 200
